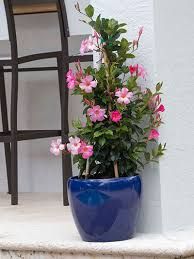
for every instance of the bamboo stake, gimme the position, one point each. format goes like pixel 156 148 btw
pixel 116 171
pixel 87 168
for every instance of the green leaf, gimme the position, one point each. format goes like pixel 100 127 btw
pixel 77 7
pixel 147 156
pixel 154 152
pixel 124 43
pixel 129 55
pixel 125 69
pixel 98 23
pixel 124 128
pixel 89 10
pixel 82 21
pixel 122 30
pixel 122 24
pixel 112 23
pixel 102 141
pixel 92 23
pixel 109 132
pixel 98 134
pixel 158 86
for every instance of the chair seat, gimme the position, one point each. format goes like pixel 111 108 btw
pixel 30 134
pixel 5 58
pixel 34 8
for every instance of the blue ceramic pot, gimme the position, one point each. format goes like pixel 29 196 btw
pixel 105 210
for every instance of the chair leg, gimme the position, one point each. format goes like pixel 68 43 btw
pixel 14 144
pixel 64 96
pixel 5 127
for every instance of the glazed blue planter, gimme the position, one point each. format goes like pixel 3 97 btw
pixel 105 210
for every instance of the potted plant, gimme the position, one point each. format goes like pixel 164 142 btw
pixel 118 137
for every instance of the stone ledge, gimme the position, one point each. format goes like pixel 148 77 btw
pixel 40 225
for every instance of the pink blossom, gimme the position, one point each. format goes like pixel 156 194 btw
pixel 154 102
pixel 141 71
pixel 96 113
pixel 161 108
pixel 133 69
pixel 71 79
pixel 74 145
pixel 87 84
pixel 135 44
pixel 86 150
pixel 56 147
pixel 140 32
pixel 124 95
pixel 87 45
pixel 138 70
pixel 154 134
pixel 136 41
pixel 96 35
pixel 115 116
pixel 83 124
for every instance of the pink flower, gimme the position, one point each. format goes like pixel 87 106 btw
pixel 74 145
pixel 96 35
pixel 87 45
pixel 96 113
pixel 154 134
pixel 86 150
pixel 136 42
pixel 56 147
pixel 161 108
pixel 133 69
pixel 124 95
pixel 141 71
pixel 71 79
pixel 115 116
pixel 138 70
pixel 87 84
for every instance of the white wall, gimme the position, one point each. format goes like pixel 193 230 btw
pixel 175 65
pixel 38 105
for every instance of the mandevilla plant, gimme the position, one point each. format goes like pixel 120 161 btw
pixel 120 134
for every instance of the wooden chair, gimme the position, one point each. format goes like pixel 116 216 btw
pixel 10 135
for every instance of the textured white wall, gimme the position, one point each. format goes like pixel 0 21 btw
pixel 175 65
pixel 38 105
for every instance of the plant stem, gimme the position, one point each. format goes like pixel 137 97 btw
pixel 116 171
pixel 87 168
pixel 107 68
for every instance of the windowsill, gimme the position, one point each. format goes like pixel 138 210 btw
pixel 41 224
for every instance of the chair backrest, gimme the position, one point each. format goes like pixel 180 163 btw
pixel 11 28
pixel 63 23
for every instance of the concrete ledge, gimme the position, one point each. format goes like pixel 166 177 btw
pixel 40 227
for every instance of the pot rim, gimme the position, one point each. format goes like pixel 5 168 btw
pixel 75 178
